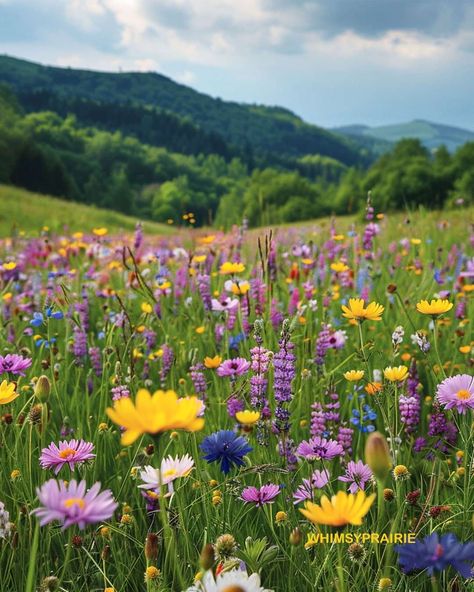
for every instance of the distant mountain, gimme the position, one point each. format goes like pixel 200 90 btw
pixel 432 135
pixel 252 128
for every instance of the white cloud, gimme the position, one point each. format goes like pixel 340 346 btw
pixel 186 77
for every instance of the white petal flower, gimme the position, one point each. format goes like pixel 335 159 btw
pixel 229 580
pixel 171 469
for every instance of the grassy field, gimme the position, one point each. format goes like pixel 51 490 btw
pixel 21 210
pixel 257 342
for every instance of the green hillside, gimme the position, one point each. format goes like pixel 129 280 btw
pixel 432 135
pixel 21 210
pixel 250 127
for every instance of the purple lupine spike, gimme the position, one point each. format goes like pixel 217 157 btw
pixel 95 357
pixel 138 238
pixel 150 339
pixel 166 362
pixel 439 426
pixel 204 287
pixel 461 308
pixel 245 312
pixel 284 372
pixel 322 344
pixel 409 404
pixel 293 302
pixel 276 316
pixel 234 405
pixel 409 412
pixel 257 293
pixel 258 382
pixel 79 344
pixel 198 379
pixel 344 438
pixel 120 391
pixel 318 420
pixel 231 318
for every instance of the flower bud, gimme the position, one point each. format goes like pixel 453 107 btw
pixel 43 388
pixel 295 536
pixel 151 546
pixel 49 584
pixel 377 455
pixel 207 557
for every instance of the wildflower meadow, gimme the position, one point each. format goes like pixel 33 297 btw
pixel 284 409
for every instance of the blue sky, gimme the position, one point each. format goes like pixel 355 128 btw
pixel 333 62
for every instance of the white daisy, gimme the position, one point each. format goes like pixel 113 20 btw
pixel 235 579
pixel 171 469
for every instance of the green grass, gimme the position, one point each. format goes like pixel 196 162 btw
pixel 21 210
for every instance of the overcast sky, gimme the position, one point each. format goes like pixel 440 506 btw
pixel 333 62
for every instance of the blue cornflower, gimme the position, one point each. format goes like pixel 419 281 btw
pixel 226 447
pixel 47 344
pixel 362 421
pixel 234 340
pixel 38 317
pixel 435 553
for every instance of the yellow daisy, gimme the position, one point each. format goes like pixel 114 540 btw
pixel 151 414
pixel 342 509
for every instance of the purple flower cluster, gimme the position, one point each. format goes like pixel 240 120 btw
pixel 284 372
pixel 199 381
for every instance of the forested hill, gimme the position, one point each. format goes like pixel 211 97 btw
pixel 247 128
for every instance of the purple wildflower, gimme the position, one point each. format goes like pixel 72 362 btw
pixel 306 490
pixel 233 367
pixel 72 504
pixel 96 360
pixel 319 449
pixel 71 453
pixel 198 379
pixel 14 364
pixel 457 392
pixel 260 496
pixel 357 474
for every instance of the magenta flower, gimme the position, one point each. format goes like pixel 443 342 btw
pixel 457 392
pixel 72 453
pixel 234 367
pixel 357 474
pixel 306 490
pixel 259 497
pixel 224 304
pixel 14 364
pixel 319 449
pixel 72 504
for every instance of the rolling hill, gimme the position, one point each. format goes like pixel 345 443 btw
pixel 22 210
pixel 254 128
pixel 432 135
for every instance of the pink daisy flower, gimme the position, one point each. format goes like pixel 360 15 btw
pixel 234 367
pixel 260 496
pixel 457 392
pixel 72 453
pixel 73 504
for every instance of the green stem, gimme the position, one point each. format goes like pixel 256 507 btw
pixel 66 559
pixel 435 339
pixel 30 579
pixel 341 586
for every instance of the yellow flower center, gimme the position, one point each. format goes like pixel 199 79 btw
pixel 233 589
pixel 463 395
pixel 170 473
pixel 75 501
pixel 67 453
